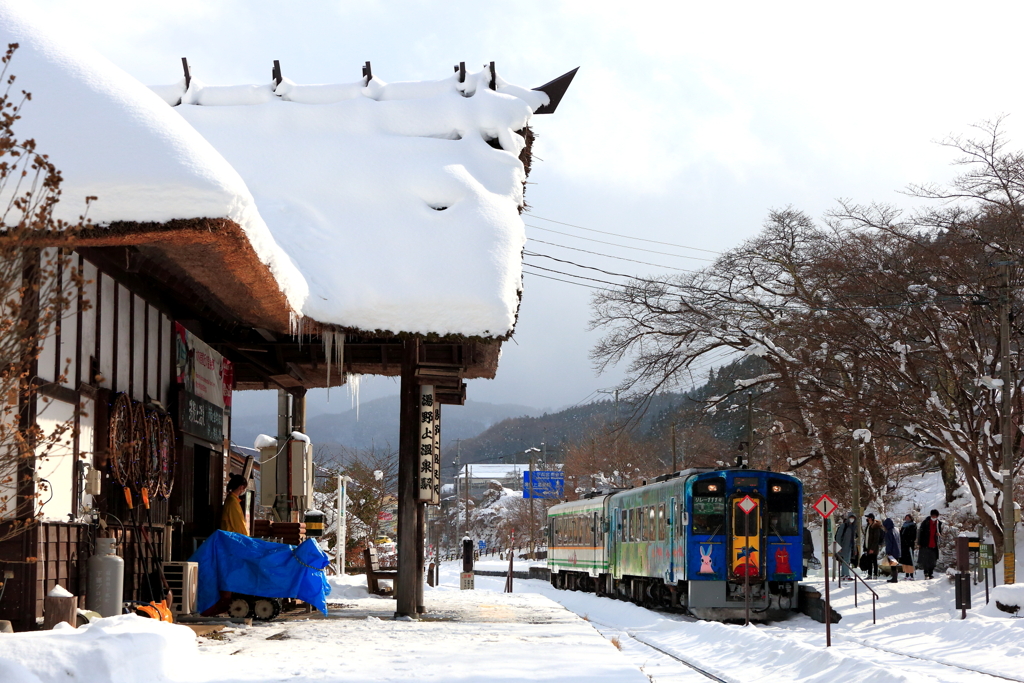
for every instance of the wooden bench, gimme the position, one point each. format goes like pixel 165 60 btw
pixel 374 573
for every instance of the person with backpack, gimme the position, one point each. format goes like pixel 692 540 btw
pixel 928 536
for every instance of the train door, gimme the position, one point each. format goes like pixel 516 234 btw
pixel 746 552
pixel 672 539
pixel 613 541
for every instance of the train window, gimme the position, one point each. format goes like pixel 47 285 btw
pixel 783 508
pixel 709 506
pixel 629 525
pixel 652 524
pixel 623 514
pixel 662 522
pixel 680 524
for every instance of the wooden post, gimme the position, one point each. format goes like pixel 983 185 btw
pixel 421 521
pixel 828 606
pixel 408 460
pixel 58 608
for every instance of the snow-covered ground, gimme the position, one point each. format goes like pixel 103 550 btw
pixel 918 637
pixel 485 635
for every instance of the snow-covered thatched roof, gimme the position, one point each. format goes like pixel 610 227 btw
pixel 372 207
pixel 398 202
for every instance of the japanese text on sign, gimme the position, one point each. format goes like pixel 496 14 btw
pixel 429 471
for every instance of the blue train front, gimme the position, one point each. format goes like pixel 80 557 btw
pixel 687 541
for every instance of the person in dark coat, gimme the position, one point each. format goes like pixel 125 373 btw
pixel 928 536
pixel 908 537
pixel 873 537
pixel 891 554
pixel 846 538
pixel 808 549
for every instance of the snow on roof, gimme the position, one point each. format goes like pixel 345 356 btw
pixel 387 196
pixel 113 139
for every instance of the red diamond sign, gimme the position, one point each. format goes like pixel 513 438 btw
pixel 825 506
pixel 748 504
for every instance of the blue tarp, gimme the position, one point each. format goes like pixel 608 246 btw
pixel 237 563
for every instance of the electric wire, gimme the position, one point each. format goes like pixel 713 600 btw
pixel 615 234
pixel 620 258
pixel 621 246
pixel 580 265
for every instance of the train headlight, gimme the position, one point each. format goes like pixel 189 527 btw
pixel 712 487
pixel 776 488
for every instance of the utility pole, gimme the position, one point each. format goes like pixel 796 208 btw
pixel 339 554
pixel 465 479
pixel 750 428
pixel 857 451
pixel 675 465
pixel 532 515
pixel 1009 554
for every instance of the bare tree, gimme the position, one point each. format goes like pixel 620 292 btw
pixel 37 283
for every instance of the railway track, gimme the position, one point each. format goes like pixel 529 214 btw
pixel 645 643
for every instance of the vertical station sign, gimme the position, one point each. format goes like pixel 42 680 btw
pixel 429 471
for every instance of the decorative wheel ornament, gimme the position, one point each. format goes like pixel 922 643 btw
pixel 137 471
pixel 167 456
pixel 121 440
pixel 150 456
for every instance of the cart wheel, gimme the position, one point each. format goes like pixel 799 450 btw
pixel 239 608
pixel 265 609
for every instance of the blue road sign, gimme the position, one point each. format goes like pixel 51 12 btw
pixel 543 485
pixel 482 545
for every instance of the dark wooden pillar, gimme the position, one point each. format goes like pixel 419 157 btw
pixel 421 519
pixel 409 579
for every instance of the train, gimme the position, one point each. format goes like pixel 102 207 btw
pixel 716 543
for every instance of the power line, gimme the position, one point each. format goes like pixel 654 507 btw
pixel 581 277
pixel 579 265
pixel 621 246
pixel 568 282
pixel 615 234
pixel 597 253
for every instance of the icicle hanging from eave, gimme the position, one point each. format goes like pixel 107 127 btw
pixel 334 349
pixel 352 380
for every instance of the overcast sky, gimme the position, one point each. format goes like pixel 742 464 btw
pixel 687 122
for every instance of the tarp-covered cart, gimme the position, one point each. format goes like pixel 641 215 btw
pixel 250 576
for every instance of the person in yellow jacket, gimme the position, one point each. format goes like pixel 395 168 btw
pixel 231 518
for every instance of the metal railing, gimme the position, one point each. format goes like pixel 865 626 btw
pixel 857 577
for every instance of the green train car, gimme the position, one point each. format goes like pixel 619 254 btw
pixel 700 540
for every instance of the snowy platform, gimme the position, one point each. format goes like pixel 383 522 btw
pixel 466 636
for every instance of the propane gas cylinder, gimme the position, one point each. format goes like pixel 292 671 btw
pixel 106 579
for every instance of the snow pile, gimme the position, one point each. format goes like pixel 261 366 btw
pixel 1006 601
pixel 112 138
pixel 119 649
pixel 348 587
pixel 399 202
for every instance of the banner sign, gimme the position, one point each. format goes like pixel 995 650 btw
pixel 199 417
pixel 201 371
pixel 429 474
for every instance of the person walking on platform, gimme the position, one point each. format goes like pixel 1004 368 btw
pixel 873 537
pixel 891 556
pixel 908 537
pixel 928 543
pixel 846 534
